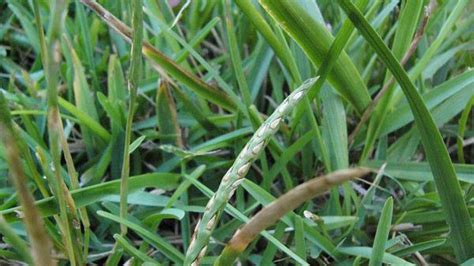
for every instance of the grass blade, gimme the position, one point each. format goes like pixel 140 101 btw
pixel 462 129
pixel 133 251
pixel 383 229
pixel 167 249
pixel 365 252
pixel 279 46
pixel 167 117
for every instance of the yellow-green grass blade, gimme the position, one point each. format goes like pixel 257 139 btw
pixel 85 119
pixel 443 171
pixel 84 99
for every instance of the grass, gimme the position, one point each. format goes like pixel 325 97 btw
pixel 144 133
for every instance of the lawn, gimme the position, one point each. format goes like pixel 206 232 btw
pixel 249 132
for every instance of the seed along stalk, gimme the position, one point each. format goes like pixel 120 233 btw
pixel 234 176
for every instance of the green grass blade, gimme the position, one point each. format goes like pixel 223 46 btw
pixel 402 115
pixel 26 19
pixel 85 119
pixel 315 41
pixel 337 47
pixel 418 247
pixel 443 34
pixel 383 229
pixel 406 27
pixel 236 59
pixel 335 129
pixel 133 79
pixel 443 171
pixel 462 129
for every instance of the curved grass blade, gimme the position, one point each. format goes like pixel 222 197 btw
pixel 84 119
pixel 167 249
pixel 278 208
pixel 265 198
pixel 444 174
